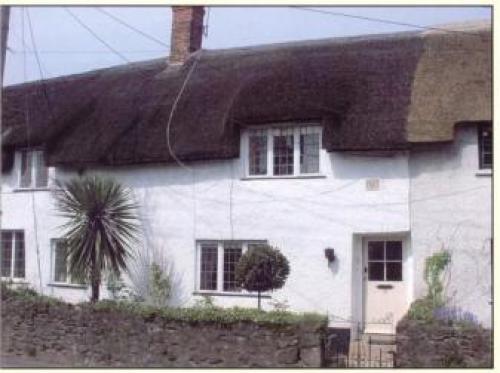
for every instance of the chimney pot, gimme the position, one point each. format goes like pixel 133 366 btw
pixel 187 32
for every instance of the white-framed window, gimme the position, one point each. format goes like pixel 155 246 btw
pixel 283 151
pixel 485 142
pixel 216 264
pixel 385 261
pixel 13 255
pixel 61 273
pixel 33 172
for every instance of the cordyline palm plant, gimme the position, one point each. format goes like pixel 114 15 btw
pixel 101 226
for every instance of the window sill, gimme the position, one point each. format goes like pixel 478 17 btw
pixel 14 281
pixel 484 172
pixel 63 285
pixel 44 189
pixel 230 294
pixel 312 176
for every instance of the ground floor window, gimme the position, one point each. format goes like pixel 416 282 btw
pixel 485 142
pixel 60 264
pixel 217 260
pixel 13 257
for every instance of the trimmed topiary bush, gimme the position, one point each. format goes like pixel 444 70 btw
pixel 261 269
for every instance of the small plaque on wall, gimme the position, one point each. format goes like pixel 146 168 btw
pixel 372 184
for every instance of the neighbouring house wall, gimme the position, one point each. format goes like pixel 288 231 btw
pixel 451 209
pixel 74 337
pixel 210 200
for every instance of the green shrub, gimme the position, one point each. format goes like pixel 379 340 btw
pixel 161 286
pixel 261 269
pixel 114 284
pixel 422 309
pixel 434 268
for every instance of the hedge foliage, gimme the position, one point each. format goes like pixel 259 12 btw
pixel 216 315
pixel 9 292
pixel 192 315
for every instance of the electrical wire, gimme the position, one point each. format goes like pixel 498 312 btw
pixel 169 146
pixel 39 64
pixel 28 142
pixel 94 34
pixel 123 23
pixel 381 20
pixel 88 51
pixel 174 107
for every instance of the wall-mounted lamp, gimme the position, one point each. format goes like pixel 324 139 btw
pixel 330 254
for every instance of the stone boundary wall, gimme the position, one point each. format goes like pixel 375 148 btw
pixel 81 337
pixel 425 345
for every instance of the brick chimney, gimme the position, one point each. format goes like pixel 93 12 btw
pixel 187 32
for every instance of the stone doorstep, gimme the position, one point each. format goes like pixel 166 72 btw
pixel 379 339
pixel 381 348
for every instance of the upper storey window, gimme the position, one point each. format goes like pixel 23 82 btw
pixel 33 172
pixel 285 151
pixel 485 142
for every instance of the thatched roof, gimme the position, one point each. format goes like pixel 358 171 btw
pixel 376 92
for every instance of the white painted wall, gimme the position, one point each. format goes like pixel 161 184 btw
pixel 451 209
pixel 300 216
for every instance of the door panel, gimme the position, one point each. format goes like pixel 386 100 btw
pixel 384 298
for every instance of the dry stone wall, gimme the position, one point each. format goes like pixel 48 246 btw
pixel 431 345
pixel 75 336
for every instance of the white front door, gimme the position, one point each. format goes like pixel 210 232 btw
pixel 384 285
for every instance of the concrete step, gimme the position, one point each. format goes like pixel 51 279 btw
pixel 379 339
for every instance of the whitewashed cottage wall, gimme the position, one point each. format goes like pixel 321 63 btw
pixel 451 209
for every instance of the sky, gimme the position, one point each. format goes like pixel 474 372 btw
pixel 66 47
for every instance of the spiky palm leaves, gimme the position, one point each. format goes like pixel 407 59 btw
pixel 101 226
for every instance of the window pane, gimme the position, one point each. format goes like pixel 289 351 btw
pixel 208 270
pixel 232 254
pixel 258 153
pixel 283 154
pixel 394 250
pixel 309 153
pixel 6 253
pixel 376 250
pixel 26 162
pixel 485 146
pixel 376 271
pixel 19 262
pixel 76 278
pixel 394 271
pixel 255 245
pixel 60 263
pixel 41 170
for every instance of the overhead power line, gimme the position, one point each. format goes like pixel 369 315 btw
pixel 38 61
pixel 129 26
pixel 27 119
pixel 381 20
pixel 86 51
pixel 94 34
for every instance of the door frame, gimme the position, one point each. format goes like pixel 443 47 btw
pixel 406 266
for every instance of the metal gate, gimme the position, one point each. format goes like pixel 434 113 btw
pixel 367 351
